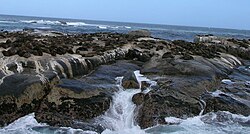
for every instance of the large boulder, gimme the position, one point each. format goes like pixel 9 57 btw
pixel 17 102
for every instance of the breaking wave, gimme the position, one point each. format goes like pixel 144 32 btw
pixel 29 125
pixel 76 24
pixel 45 22
pixel 70 23
pixel 212 123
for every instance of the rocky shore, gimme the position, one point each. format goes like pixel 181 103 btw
pixel 69 79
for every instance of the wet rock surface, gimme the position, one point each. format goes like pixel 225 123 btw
pixel 138 99
pixel 130 81
pixel 191 86
pixel 83 99
pixel 68 80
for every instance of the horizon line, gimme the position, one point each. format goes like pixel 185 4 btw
pixel 225 28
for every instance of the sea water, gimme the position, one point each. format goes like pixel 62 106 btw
pixel 18 23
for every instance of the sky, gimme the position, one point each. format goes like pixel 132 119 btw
pixel 233 14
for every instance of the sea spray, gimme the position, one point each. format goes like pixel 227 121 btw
pixel 120 117
pixel 29 125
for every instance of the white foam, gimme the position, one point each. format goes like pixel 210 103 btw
pixel 45 22
pixel 120 116
pixel 76 24
pixel 127 27
pixel 173 120
pixel 238 116
pixel 142 78
pixel 217 93
pixel 28 123
pixel 196 121
pixel 115 27
pixel 19 67
pixel 211 123
pixel 102 27
pixel 22 125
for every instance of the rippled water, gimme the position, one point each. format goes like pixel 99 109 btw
pixel 17 23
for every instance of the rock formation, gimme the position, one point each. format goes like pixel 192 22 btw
pixel 61 77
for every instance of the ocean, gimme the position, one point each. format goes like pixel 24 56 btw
pixel 211 123
pixel 17 23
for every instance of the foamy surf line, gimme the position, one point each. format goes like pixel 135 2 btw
pixel 45 22
pixel 221 122
pixel 77 24
pixel 72 23
pixel 29 125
